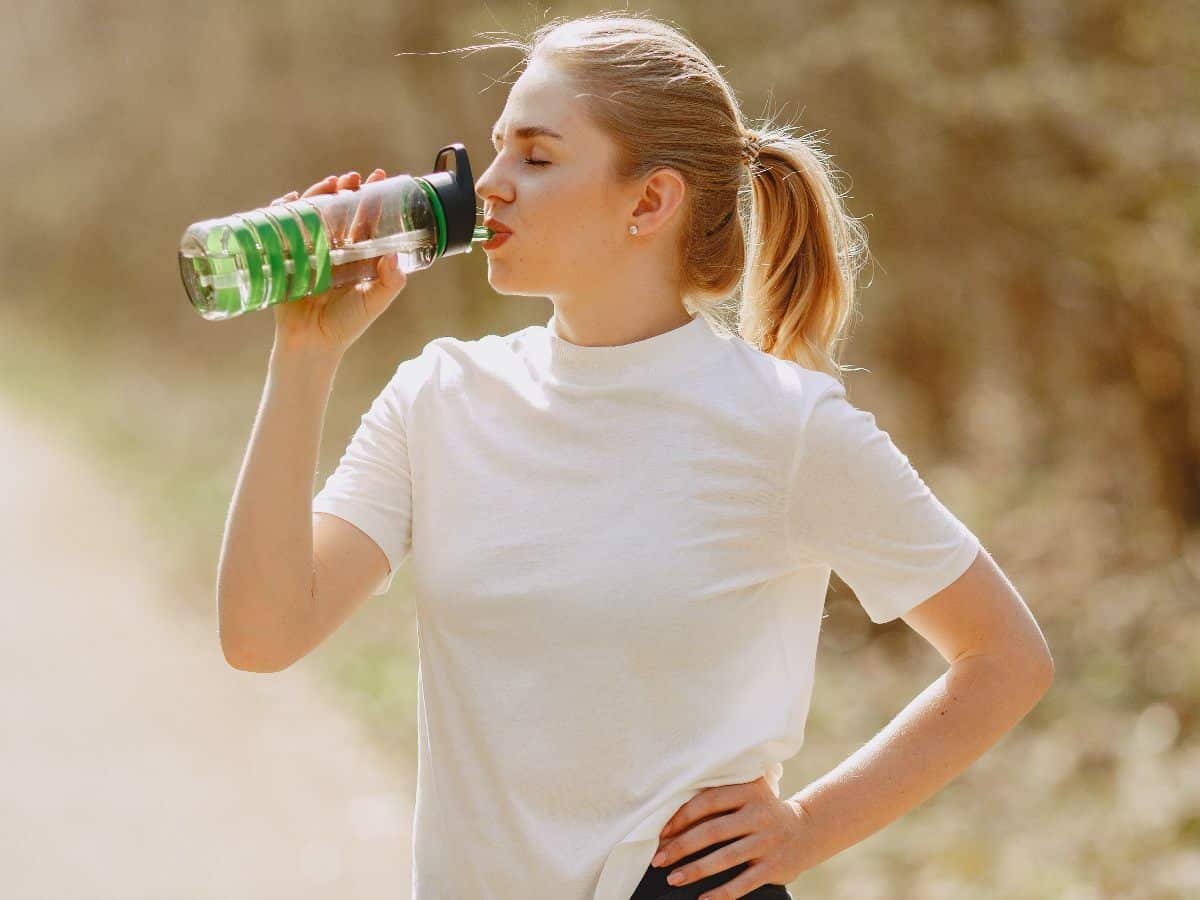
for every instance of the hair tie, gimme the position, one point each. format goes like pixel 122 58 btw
pixel 751 145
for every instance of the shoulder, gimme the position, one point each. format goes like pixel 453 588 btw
pixel 448 362
pixel 796 388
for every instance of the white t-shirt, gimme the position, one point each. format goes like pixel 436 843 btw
pixel 620 557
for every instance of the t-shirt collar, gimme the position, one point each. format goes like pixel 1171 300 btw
pixel 662 354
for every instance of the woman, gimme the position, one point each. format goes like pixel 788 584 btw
pixel 623 523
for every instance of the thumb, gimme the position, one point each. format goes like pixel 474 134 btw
pixel 393 275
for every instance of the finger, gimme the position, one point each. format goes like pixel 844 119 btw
pixel 391 276
pixel 338 216
pixel 680 817
pixel 710 801
pixel 366 217
pixel 688 837
pixel 714 858
pixel 694 839
pixel 690 812
pixel 327 185
pixel 669 828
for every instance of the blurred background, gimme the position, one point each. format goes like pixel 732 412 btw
pixel 1030 174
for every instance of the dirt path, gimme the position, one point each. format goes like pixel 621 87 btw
pixel 134 762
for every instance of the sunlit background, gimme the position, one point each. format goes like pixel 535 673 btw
pixel 1030 176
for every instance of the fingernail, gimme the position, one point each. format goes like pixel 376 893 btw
pixel 660 859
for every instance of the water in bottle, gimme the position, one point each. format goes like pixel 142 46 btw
pixel 252 260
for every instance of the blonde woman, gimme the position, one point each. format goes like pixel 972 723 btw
pixel 622 523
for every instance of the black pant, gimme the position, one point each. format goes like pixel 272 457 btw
pixel 653 885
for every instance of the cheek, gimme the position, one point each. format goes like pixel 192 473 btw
pixel 555 219
pixel 584 226
pixel 565 215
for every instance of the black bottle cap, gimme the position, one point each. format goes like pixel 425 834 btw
pixel 456 192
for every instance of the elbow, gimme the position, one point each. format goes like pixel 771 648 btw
pixel 1036 670
pixel 1030 672
pixel 247 665
pixel 1049 671
pixel 1030 661
pixel 248 643
pixel 239 656
pixel 244 662
pixel 1043 664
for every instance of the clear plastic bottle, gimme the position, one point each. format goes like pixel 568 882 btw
pixel 253 260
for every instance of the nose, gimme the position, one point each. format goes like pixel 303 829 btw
pixel 485 186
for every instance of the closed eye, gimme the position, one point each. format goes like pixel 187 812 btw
pixel 529 160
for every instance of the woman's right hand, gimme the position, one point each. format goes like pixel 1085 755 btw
pixel 335 319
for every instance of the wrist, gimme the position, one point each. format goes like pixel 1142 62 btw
pixel 808 849
pixel 306 350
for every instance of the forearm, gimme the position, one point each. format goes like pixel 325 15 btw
pixel 938 735
pixel 265 572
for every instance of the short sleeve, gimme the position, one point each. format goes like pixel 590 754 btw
pixel 371 488
pixel 856 504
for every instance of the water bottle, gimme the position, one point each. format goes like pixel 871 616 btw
pixel 253 260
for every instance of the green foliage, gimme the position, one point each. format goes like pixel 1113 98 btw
pixel 1031 177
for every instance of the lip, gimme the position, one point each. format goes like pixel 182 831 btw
pixel 496 225
pixel 496 240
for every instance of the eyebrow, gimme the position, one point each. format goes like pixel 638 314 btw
pixel 528 131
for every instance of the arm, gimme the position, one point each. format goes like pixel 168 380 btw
pixel 265 574
pixel 1000 667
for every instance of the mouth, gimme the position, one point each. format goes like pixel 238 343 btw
pixel 496 240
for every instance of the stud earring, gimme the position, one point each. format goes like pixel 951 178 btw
pixel 633 229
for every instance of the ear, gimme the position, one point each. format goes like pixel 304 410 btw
pixel 662 195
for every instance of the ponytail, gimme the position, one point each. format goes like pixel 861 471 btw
pixel 803 258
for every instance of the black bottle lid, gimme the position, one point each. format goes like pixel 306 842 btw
pixel 456 192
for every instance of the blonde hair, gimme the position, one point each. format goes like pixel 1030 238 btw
pixel 663 102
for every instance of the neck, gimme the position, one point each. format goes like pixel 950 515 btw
pixel 617 320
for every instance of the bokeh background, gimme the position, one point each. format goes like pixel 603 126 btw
pixel 1030 176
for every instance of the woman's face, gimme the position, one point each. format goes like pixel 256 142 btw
pixel 567 212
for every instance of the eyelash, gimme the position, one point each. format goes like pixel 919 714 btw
pixel 530 161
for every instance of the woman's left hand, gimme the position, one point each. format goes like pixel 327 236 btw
pixel 771 833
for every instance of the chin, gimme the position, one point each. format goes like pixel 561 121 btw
pixel 505 280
